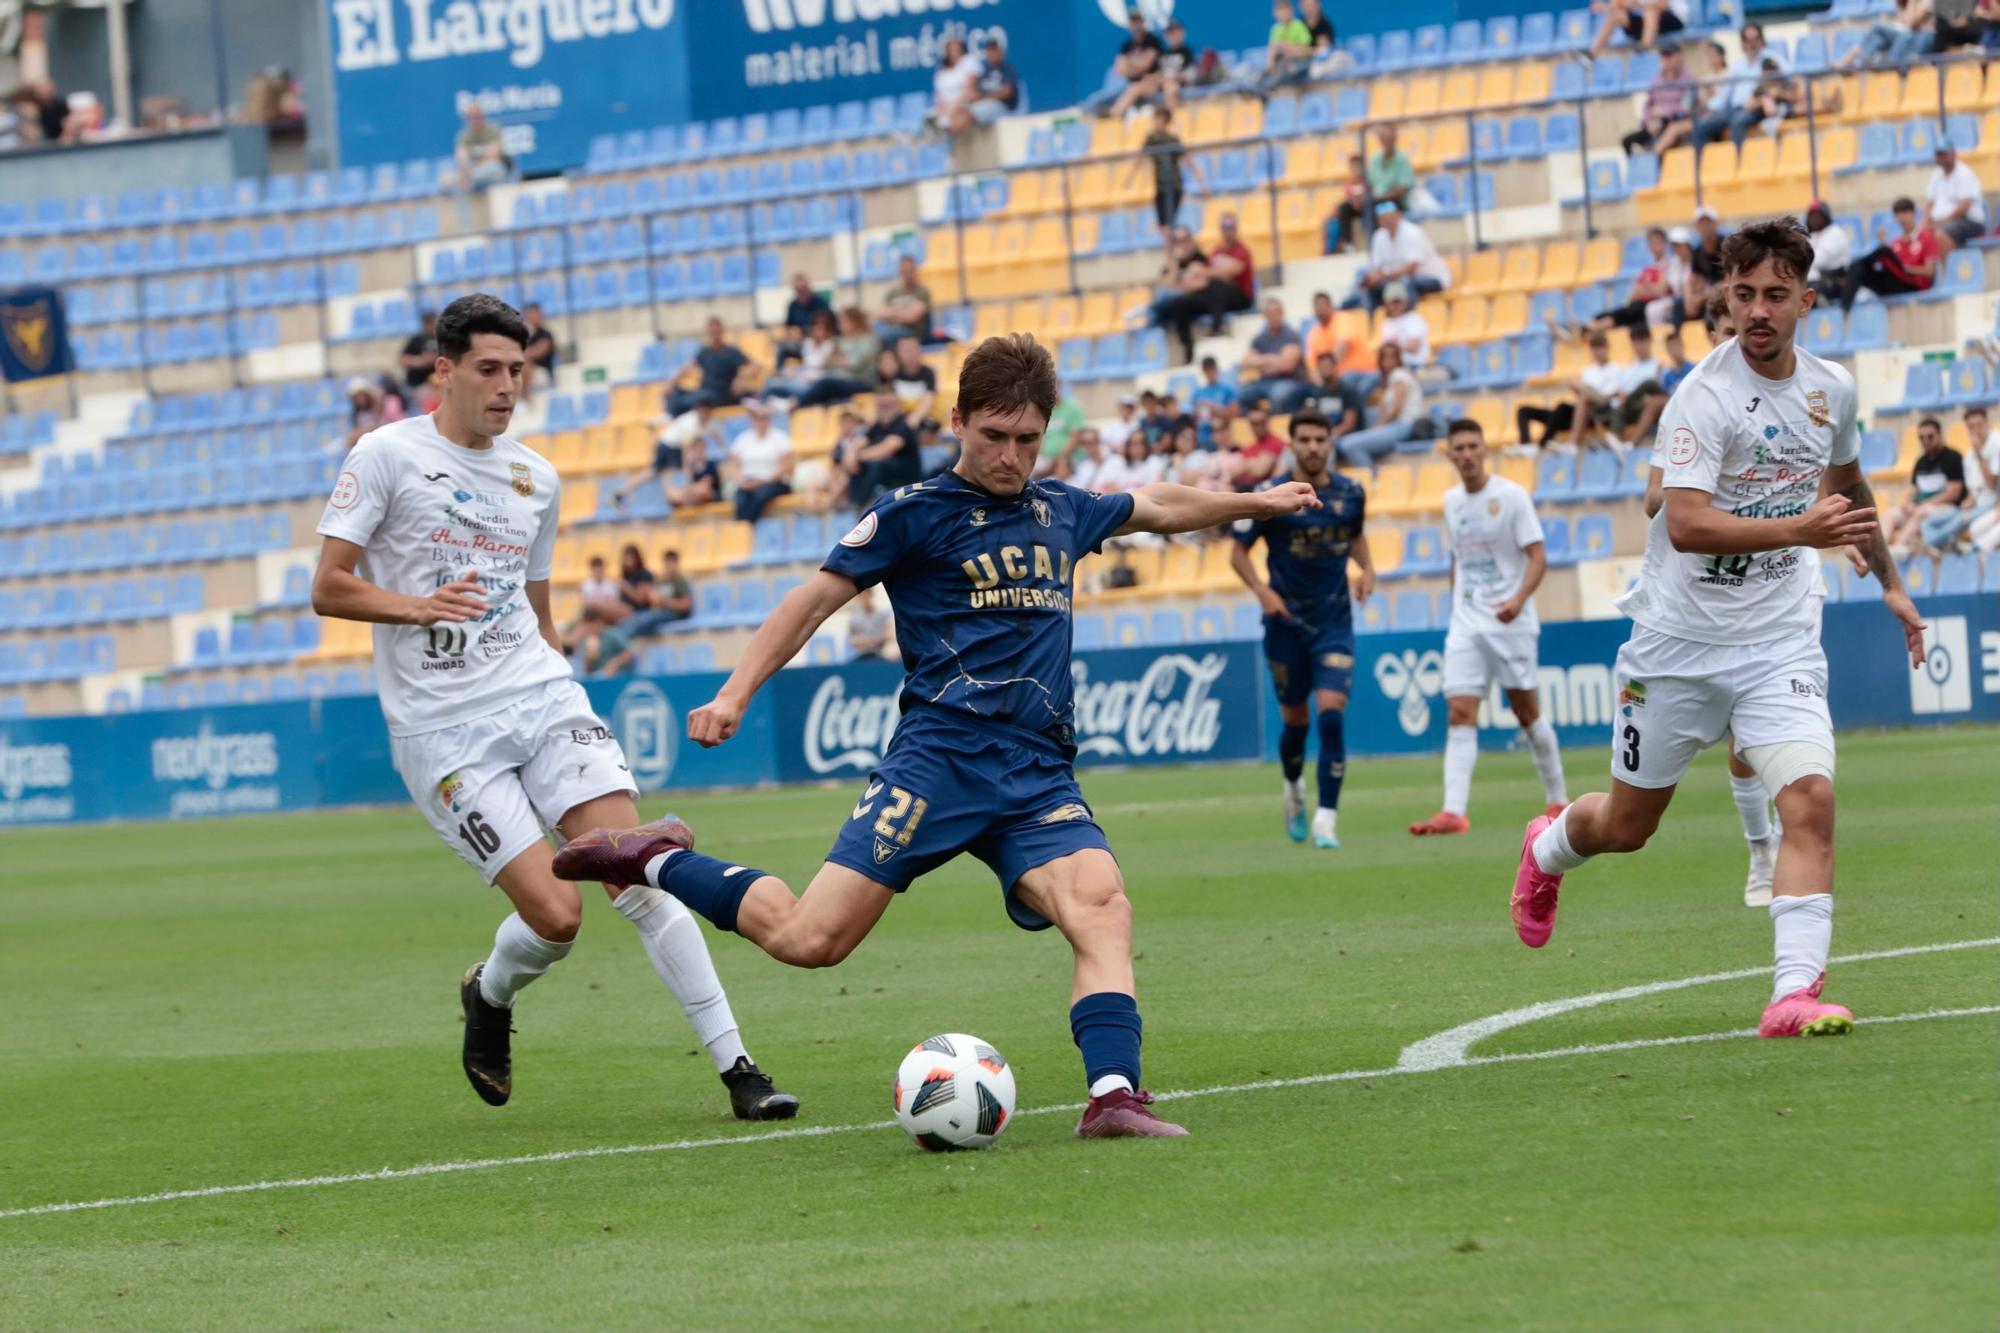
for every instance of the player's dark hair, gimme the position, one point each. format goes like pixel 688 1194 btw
pixel 1465 425
pixel 1782 240
pixel 476 314
pixel 1007 373
pixel 1714 311
pixel 1309 417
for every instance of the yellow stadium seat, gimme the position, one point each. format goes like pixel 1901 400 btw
pixel 1434 478
pixel 1010 244
pixel 1521 270
pixel 1533 82
pixel 578 502
pixel 1491 414
pixel 1920 92
pixel 1718 163
pixel 1209 124
pixel 1098 315
pixel 1794 156
pixel 634 446
pixel 1305 161
pixel 940 252
pixel 1090 186
pixel 1385 545
pixel 1045 240
pixel 564 450
pixel 600 445
pixel 1460 92
pixel 1082 236
pixel 1420 95
pixel 1561 263
pixel 1391 496
pixel 632 402
pixel 1300 228
pixel 1448 143
pixel 1415 141
pixel 1061 319
pixel 1180 572
pixel 1881 95
pixel 1031 192
pixel 1838 147
pixel 1468 320
pixel 1508 316
pixel 1027 315
pixel 989 320
pixel 1496 86
pixel 1246 118
pixel 1602 259
pixel 1385 100
pixel 1520 471
pixel 1482 274
pixel 1672 200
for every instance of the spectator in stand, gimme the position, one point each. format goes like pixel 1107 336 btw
pixel 915 382
pixel 1833 253
pixel 1906 263
pixel 669 599
pixel 1180 66
pixel 1668 116
pixel 1168 156
pixel 541 352
pixel 1400 413
pixel 1954 202
pixel 420 352
pixel 816 360
pixel 1656 290
pixel 1353 209
pixel 1731 108
pixel 1982 512
pixel 953 88
pixel 1644 397
pixel 1152 423
pixel 1405 326
pixel 1289 52
pixel 1253 464
pixel 906 307
pixel 1230 260
pixel 1130 468
pixel 482 160
pixel 600 590
pixel 997 90
pixel 854 367
pixel 635 582
pixel 1189 464
pixel 850 437
pixel 760 463
pixel 1277 359
pixel 1323 334
pixel 701 474
pixel 1929 513
pixel 1201 294
pixel 1064 422
pixel 724 373
pixel 1775 96
pixel 1399 251
pixel 1644 21
pixel 1124 426
pixel 1707 256
pixel 1137 64
pixel 1214 391
pixel 1594 394
pixel 42 111
pixel 670 449
pixel 1894 42
pixel 1676 366
pixel 889 456
pixel 369 406
pixel 1086 455
pixel 1336 399
pixel 1389 177
pixel 799 311
pixel 1312 13
pixel 868 626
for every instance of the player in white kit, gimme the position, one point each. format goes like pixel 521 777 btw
pixel 1761 454
pixel 441 531
pixel 1497 562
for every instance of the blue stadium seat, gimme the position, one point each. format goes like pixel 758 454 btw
pixel 1128 629
pixel 1166 628
pixel 1556 540
pixel 1412 611
pixel 1824 332
pixel 1958 573
pixel 1424 553
pixel 1923 388
pixel 1555 478
pixel 1090 631
pixel 1966 384
pixel 1593 537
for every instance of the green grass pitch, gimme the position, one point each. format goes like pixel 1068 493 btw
pixel 275 998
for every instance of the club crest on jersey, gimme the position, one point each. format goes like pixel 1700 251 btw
pixel 1493 509
pixel 979 518
pixel 450 788
pixel 1816 408
pixel 523 483
pixel 1040 509
pixel 884 850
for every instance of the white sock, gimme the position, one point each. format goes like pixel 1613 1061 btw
pixel 1110 1082
pixel 1324 821
pixel 680 955
pixel 658 865
pixel 1753 807
pixel 519 956
pixel 1804 929
pixel 1461 752
pixel 1548 759
pixel 1552 851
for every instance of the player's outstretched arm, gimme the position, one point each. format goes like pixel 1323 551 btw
pixel 777 641
pixel 1846 482
pixel 341 594
pixel 1697 527
pixel 1165 508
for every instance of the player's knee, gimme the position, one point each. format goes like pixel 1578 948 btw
pixel 1806 807
pixel 1463 711
pixel 1096 906
pixel 1628 830
pixel 558 922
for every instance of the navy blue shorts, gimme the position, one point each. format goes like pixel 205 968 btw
pixel 948 786
pixel 1304 658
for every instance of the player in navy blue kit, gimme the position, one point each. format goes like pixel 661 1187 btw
pixel 979 564
pixel 1309 618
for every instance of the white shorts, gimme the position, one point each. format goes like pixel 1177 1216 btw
pixel 1677 697
pixel 494 786
pixel 1477 658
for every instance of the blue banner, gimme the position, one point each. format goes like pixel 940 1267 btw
pixel 34 335
pixel 1200 703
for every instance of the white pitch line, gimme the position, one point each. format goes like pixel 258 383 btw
pixel 822 1131
pixel 1451 1047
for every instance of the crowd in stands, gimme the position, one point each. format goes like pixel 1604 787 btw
pixel 1954 498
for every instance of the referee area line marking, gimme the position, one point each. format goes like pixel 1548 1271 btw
pixel 1446 1050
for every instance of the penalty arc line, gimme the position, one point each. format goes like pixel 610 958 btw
pixel 823 1131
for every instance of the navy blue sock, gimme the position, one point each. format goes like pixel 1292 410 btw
pixel 1332 757
pixel 705 885
pixel 1292 751
pixel 1106 1027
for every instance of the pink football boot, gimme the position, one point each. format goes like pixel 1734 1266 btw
pixel 1534 901
pixel 1802 1014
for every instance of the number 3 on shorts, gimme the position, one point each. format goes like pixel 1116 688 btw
pixel 1630 755
pixel 483 838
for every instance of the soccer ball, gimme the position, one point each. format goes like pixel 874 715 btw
pixel 954 1091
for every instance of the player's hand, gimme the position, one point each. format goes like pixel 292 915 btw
pixel 1273 604
pixel 1859 561
pixel 1834 521
pixel 714 722
pixel 454 603
pixel 1289 498
pixel 1364 585
pixel 1900 606
pixel 1506 612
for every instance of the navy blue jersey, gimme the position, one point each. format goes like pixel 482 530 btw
pixel 1309 551
pixel 980 585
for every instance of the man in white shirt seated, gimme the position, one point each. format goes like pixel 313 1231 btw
pixel 1404 326
pixel 1954 202
pixel 1644 398
pixel 1731 109
pixel 1833 252
pixel 760 463
pixel 1398 252
pixel 1598 391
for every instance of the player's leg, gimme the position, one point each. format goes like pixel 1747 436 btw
pixel 1786 735
pixel 1332 726
pixel 1753 809
pixel 538 935
pixel 1464 684
pixel 1540 734
pixel 1290 660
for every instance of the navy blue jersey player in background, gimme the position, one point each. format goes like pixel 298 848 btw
pixel 979 564
pixel 1309 618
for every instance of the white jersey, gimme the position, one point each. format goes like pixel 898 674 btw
pixel 425 512
pixel 1760 447
pixel 1490 531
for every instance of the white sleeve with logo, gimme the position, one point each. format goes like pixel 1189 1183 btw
pixel 361 494
pixel 1693 436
